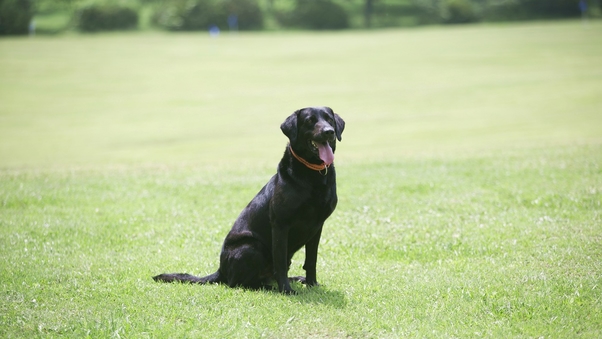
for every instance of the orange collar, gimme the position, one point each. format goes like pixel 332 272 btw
pixel 309 165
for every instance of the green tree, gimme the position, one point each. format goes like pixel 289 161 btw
pixel 15 16
pixel 368 12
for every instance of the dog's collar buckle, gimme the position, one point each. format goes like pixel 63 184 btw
pixel 325 170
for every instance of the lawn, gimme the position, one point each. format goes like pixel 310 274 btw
pixel 470 181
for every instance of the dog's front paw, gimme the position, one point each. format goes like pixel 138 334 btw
pixel 304 281
pixel 289 292
pixel 311 283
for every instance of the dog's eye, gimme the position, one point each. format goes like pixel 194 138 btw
pixel 311 120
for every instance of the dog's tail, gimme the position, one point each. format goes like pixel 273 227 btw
pixel 187 278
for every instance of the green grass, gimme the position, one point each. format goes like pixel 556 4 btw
pixel 470 181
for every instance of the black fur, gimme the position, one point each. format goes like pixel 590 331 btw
pixel 287 213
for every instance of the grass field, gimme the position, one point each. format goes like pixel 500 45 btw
pixel 470 181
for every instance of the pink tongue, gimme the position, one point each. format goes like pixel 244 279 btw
pixel 325 153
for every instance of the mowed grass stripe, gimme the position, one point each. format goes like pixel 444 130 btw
pixel 173 98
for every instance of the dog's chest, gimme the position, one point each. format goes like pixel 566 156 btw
pixel 319 205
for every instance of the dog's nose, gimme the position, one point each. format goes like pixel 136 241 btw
pixel 328 132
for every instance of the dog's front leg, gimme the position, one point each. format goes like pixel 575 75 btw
pixel 280 258
pixel 311 257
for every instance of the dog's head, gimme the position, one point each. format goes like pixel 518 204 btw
pixel 313 132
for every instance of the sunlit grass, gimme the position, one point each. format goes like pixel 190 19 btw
pixel 470 181
pixel 504 245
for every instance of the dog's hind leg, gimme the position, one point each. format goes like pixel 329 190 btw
pixel 246 267
pixel 188 278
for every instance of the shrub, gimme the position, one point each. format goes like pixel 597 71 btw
pixel 394 15
pixel 197 17
pixel 248 12
pixel 446 11
pixel 191 15
pixel 499 10
pixel 15 16
pixel 459 12
pixel 553 8
pixel 106 17
pixel 428 11
pixel 316 14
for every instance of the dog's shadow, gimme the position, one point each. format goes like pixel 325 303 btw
pixel 317 295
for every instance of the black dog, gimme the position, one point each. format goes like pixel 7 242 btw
pixel 286 214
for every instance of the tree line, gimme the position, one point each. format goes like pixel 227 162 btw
pixel 179 15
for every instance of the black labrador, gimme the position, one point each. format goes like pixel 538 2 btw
pixel 286 214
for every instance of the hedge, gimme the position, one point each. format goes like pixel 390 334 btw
pixel 192 15
pixel 315 14
pixel 106 17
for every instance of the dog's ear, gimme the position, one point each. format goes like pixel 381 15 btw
pixel 339 124
pixel 289 127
